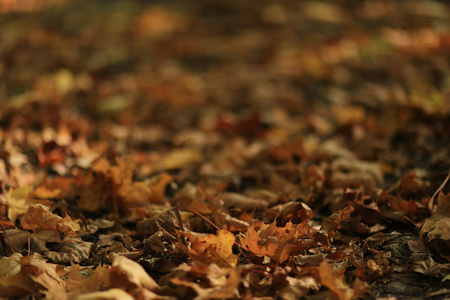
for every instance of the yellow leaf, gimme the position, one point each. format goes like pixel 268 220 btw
pixel 18 202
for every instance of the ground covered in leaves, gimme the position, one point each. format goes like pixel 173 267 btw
pixel 233 149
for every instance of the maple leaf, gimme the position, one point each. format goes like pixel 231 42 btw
pixel 70 227
pixel 94 281
pixel 44 274
pixel 213 248
pixel 274 242
pixel 335 281
pixel 39 216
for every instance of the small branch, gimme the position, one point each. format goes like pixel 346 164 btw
pixel 430 204
pixel 7 237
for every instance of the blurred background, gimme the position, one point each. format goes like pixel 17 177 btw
pixel 142 71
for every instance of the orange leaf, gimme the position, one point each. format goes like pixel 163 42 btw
pixel 335 281
pixel 274 242
pixel 213 248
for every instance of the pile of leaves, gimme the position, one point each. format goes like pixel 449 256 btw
pixel 199 150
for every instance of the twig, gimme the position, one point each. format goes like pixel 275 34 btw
pixel 7 237
pixel 430 204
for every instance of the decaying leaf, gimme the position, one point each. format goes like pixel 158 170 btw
pixel 332 224
pixel 71 250
pixel 435 232
pixel 431 268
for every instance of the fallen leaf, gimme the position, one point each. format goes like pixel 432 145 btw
pixel 39 216
pixel 71 250
pixel 331 224
pixel 18 202
pixel 158 187
pixel 213 248
pixel 129 275
pixel 431 268
pixel 227 290
pixel 45 275
pixel 112 294
pixel 335 281
pixel 435 232
pixel 275 242
pixel 95 280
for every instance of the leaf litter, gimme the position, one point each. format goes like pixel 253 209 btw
pixel 224 150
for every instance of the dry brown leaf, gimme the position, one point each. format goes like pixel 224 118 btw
pixel 431 268
pixel 191 198
pixel 45 275
pixel 70 227
pixel 227 289
pixel 435 232
pixel 96 280
pixel 129 275
pixel 275 242
pixel 94 192
pixel 72 250
pixel 39 216
pixel 331 224
pixel 112 294
pixel 19 240
pixel 132 195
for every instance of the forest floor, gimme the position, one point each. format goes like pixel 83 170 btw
pixel 225 150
